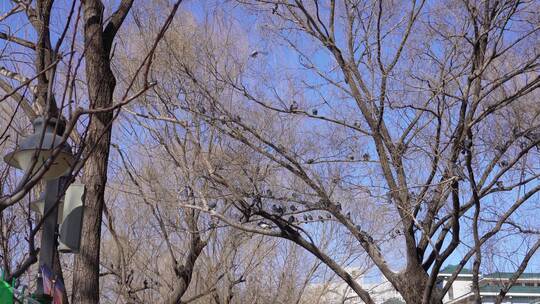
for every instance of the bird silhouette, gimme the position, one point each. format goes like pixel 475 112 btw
pixel 201 109
pixel 315 112
pixel 305 218
pixel 321 218
pixel 534 137
pixel 467 143
pixel 365 157
pixel 274 9
pixel 256 53
pixel 256 201
pixel 291 219
pixel 294 106
pixel 458 171
pixel 278 209
pixel 310 217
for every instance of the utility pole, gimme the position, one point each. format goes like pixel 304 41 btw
pixel 49 233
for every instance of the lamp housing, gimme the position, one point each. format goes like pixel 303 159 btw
pixel 38 148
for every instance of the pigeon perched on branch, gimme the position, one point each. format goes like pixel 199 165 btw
pixel 294 106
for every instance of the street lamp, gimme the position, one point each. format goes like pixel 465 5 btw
pixel 36 149
pixel 33 153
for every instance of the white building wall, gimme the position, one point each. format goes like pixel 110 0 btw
pixel 458 289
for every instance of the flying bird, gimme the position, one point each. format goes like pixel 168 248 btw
pixel 256 53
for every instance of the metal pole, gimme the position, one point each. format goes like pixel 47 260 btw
pixel 48 233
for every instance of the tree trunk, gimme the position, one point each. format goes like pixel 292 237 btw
pixel 411 284
pixel 101 83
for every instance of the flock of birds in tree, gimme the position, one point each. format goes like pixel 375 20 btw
pixel 280 210
pixel 291 214
pixel 292 217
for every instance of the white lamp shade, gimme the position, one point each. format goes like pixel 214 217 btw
pixel 34 150
pixel 24 159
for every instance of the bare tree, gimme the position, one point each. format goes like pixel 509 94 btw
pixel 397 135
pixel 436 102
pixel 94 141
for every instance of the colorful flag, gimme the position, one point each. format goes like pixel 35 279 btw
pixel 48 281
pixel 58 292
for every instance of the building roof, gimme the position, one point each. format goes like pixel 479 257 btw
pixel 508 275
pixel 450 269
pixel 530 292
pixel 513 289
